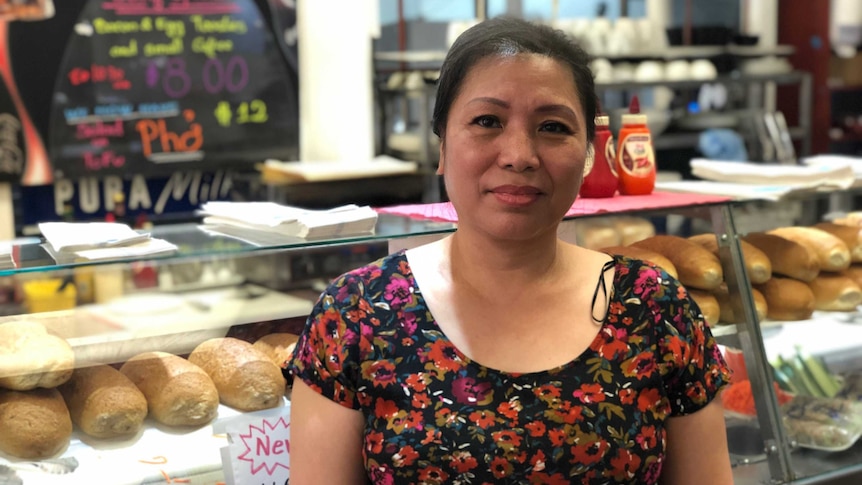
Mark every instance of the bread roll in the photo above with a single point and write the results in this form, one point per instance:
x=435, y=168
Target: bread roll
x=728, y=315
x=103, y=402
x=757, y=263
x=30, y=357
x=245, y=377
x=854, y=272
x=643, y=254
x=851, y=235
x=834, y=292
x=831, y=252
x=788, y=258
x=278, y=347
x=787, y=299
x=178, y=393
x=596, y=233
x=34, y=424
x=707, y=303
x=697, y=267
x=632, y=229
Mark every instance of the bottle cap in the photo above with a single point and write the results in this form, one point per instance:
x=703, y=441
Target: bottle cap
x=635, y=105
x=602, y=120
x=634, y=119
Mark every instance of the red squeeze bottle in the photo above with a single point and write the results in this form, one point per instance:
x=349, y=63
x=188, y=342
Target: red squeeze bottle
x=600, y=178
x=635, y=155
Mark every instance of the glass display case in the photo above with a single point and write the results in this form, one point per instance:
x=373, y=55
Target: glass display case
x=216, y=286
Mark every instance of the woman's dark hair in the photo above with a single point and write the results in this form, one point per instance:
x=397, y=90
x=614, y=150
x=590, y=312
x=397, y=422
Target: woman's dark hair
x=505, y=37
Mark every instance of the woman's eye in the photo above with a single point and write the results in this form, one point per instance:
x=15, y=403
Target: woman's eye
x=555, y=127
x=487, y=121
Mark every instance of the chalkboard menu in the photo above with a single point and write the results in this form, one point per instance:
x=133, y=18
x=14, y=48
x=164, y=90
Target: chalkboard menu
x=155, y=86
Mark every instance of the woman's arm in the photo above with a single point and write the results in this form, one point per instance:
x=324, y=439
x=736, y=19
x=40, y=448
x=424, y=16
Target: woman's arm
x=697, y=447
x=325, y=440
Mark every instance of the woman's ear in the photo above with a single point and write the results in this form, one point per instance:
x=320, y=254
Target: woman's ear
x=442, y=157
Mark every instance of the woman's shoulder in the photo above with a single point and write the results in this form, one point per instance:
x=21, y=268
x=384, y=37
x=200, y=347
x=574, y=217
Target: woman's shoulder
x=631, y=270
x=376, y=273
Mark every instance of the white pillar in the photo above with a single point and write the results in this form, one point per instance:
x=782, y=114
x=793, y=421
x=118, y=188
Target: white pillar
x=336, y=101
x=7, y=214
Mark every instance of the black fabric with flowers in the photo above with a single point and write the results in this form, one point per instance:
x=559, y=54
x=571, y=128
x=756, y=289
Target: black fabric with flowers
x=434, y=416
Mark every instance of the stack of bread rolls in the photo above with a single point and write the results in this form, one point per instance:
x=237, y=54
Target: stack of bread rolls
x=43, y=396
x=34, y=420
x=793, y=270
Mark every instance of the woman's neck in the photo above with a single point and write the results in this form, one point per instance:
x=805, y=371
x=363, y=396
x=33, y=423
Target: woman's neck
x=484, y=265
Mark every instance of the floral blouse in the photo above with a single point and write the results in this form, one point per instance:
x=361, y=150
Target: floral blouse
x=433, y=416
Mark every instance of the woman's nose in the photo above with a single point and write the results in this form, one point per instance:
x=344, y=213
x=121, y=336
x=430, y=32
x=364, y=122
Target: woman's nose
x=518, y=149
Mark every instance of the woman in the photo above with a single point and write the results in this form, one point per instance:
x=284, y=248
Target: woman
x=501, y=354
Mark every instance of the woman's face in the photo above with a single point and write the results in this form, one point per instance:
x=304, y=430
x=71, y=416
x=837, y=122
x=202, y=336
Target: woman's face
x=514, y=148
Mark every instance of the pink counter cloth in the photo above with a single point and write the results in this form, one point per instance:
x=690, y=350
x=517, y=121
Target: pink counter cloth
x=443, y=211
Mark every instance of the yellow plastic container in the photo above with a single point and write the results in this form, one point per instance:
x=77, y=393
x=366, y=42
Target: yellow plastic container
x=45, y=295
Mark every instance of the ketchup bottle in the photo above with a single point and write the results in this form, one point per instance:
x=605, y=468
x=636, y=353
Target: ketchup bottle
x=635, y=155
x=600, y=178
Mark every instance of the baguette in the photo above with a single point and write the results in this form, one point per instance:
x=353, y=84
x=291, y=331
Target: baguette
x=728, y=315
x=851, y=235
x=643, y=254
x=707, y=303
x=787, y=299
x=787, y=257
x=33, y=424
x=831, y=251
x=178, y=393
x=697, y=267
x=834, y=292
x=103, y=402
x=245, y=377
x=278, y=347
x=757, y=263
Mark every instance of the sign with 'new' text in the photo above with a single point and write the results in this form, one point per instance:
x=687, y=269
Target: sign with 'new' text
x=259, y=451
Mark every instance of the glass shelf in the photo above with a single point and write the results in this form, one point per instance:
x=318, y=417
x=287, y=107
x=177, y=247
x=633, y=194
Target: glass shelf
x=194, y=242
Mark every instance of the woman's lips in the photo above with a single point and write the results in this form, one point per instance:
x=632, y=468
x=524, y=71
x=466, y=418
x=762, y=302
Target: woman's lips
x=516, y=195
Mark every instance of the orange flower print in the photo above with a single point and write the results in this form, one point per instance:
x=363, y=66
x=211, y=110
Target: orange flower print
x=541, y=478
x=432, y=475
x=507, y=440
x=566, y=412
x=648, y=399
x=589, y=393
x=557, y=436
x=374, y=442
x=647, y=438
x=405, y=457
x=510, y=409
x=355, y=315
x=547, y=393
x=443, y=356
x=445, y=417
x=420, y=401
x=431, y=436
x=501, y=467
x=640, y=366
x=589, y=452
x=483, y=418
x=617, y=308
x=415, y=420
x=417, y=382
x=536, y=428
x=384, y=408
x=538, y=461
x=627, y=396
x=696, y=393
x=406, y=341
x=380, y=372
x=463, y=461
x=624, y=465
